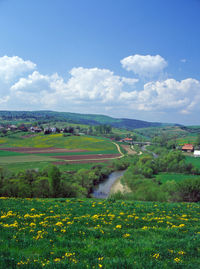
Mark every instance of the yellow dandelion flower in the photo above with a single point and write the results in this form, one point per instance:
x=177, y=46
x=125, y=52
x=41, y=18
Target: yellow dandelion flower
x=126, y=235
x=181, y=252
x=57, y=260
x=177, y=260
x=156, y=255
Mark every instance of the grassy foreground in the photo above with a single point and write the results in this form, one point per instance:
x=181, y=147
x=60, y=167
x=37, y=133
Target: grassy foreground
x=88, y=233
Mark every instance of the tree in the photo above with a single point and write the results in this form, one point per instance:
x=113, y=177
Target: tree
x=54, y=175
x=189, y=190
x=198, y=140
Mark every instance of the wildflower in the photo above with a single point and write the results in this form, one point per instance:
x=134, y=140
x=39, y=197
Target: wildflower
x=118, y=226
x=181, y=252
x=156, y=255
x=57, y=260
x=126, y=235
x=100, y=258
x=59, y=224
x=177, y=260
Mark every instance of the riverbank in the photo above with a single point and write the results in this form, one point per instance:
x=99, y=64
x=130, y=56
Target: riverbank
x=117, y=186
x=104, y=188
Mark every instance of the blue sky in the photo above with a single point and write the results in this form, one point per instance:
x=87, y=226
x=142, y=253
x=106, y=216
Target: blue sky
x=123, y=58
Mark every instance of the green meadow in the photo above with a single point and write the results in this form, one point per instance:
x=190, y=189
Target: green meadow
x=177, y=177
x=194, y=161
x=89, y=233
x=59, y=141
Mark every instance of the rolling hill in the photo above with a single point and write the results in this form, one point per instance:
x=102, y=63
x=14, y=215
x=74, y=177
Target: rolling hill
x=90, y=119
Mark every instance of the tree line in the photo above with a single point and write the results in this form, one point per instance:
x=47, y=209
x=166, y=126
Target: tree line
x=51, y=182
x=140, y=178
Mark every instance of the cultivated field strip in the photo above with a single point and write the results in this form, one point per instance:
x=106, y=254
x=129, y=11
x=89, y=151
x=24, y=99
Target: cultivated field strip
x=30, y=150
x=88, y=157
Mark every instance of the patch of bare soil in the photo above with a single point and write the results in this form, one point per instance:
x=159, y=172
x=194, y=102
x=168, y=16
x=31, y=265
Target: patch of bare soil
x=128, y=149
x=117, y=186
x=27, y=136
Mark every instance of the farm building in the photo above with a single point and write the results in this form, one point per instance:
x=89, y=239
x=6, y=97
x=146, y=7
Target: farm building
x=127, y=140
x=188, y=148
x=197, y=153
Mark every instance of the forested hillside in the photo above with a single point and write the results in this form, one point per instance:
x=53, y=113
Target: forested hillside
x=46, y=116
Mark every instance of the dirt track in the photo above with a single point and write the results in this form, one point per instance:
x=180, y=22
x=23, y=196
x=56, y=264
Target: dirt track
x=128, y=149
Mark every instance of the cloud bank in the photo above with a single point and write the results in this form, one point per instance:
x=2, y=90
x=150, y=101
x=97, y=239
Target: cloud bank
x=95, y=90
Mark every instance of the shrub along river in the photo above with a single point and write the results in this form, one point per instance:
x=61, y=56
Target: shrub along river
x=103, y=189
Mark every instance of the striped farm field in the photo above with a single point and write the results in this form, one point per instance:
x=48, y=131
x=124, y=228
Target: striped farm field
x=91, y=233
x=27, y=151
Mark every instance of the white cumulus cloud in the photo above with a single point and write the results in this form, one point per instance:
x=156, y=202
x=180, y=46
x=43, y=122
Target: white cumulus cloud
x=95, y=90
x=96, y=84
x=183, y=96
x=144, y=65
x=12, y=67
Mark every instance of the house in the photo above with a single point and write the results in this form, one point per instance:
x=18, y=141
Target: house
x=197, y=153
x=35, y=129
x=188, y=148
x=127, y=140
x=53, y=129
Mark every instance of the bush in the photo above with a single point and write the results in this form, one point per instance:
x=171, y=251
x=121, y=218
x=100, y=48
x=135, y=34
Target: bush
x=189, y=190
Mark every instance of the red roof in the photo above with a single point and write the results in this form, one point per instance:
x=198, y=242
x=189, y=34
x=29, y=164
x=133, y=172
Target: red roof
x=128, y=139
x=188, y=147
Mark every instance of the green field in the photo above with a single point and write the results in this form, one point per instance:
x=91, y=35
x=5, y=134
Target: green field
x=193, y=160
x=59, y=141
x=88, y=233
x=164, y=177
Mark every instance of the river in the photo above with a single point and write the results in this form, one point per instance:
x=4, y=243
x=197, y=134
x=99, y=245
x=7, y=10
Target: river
x=103, y=189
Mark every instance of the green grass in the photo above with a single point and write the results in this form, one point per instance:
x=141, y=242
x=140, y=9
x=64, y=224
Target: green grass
x=164, y=177
x=26, y=158
x=16, y=167
x=194, y=161
x=88, y=233
x=9, y=153
x=80, y=153
x=58, y=140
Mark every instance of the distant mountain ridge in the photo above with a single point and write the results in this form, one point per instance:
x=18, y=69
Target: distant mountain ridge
x=77, y=118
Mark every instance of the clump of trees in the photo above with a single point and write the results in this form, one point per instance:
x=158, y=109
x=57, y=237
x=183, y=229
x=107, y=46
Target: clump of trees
x=140, y=178
x=50, y=182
